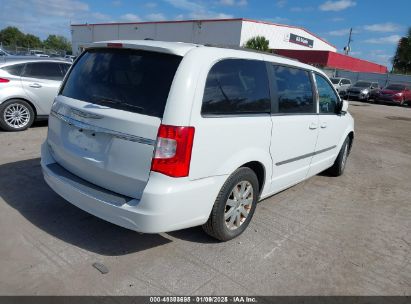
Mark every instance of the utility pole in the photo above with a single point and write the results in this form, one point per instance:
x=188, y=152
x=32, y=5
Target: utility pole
x=347, y=49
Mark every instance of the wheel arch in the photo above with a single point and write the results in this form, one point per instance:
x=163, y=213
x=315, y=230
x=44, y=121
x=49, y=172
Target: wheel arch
x=351, y=137
x=260, y=171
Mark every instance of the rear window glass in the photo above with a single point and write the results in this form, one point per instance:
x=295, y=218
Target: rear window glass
x=395, y=87
x=129, y=80
x=237, y=86
x=14, y=69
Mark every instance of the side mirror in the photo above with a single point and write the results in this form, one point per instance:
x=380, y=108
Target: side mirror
x=344, y=107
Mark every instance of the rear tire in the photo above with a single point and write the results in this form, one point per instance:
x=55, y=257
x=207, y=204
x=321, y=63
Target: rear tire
x=16, y=115
x=234, y=206
x=339, y=165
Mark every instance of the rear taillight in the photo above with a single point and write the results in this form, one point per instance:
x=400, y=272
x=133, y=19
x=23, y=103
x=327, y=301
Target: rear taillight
x=4, y=80
x=172, y=153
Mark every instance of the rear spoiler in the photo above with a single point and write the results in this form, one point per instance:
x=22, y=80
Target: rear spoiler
x=145, y=45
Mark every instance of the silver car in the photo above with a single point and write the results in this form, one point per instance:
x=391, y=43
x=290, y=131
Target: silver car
x=27, y=91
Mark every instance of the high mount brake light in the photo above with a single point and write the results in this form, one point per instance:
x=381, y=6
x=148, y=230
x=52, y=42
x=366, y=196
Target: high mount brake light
x=173, y=149
x=114, y=45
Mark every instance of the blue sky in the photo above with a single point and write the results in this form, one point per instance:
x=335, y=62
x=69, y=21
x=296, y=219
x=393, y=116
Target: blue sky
x=377, y=25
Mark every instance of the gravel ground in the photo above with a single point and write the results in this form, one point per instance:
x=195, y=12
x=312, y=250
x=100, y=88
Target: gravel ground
x=349, y=235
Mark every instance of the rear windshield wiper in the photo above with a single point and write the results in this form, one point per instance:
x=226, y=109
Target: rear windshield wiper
x=116, y=102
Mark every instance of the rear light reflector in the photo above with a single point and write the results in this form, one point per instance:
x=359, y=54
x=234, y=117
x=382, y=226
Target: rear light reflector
x=172, y=153
x=4, y=80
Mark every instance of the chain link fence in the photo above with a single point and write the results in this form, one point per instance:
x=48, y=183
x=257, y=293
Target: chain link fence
x=382, y=79
x=27, y=51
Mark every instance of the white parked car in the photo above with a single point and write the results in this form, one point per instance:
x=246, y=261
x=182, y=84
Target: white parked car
x=160, y=136
x=341, y=84
x=27, y=91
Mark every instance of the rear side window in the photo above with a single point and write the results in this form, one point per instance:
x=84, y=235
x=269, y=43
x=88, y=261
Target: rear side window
x=294, y=90
x=64, y=68
x=129, y=80
x=327, y=97
x=43, y=70
x=14, y=69
x=237, y=86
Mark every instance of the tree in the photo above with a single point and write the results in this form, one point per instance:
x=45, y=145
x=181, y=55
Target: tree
x=259, y=43
x=32, y=41
x=12, y=36
x=57, y=42
x=402, y=59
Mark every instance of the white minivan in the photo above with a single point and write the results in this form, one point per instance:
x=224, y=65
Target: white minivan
x=160, y=136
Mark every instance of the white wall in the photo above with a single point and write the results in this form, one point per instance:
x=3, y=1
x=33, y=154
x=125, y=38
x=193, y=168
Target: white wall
x=222, y=33
x=278, y=36
x=227, y=33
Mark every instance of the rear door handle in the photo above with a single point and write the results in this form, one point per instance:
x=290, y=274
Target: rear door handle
x=323, y=125
x=35, y=85
x=313, y=126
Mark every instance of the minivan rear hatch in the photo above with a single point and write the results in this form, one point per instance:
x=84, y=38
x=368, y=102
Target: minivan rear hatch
x=104, y=123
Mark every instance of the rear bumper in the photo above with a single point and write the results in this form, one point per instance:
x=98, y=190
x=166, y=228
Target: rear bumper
x=167, y=204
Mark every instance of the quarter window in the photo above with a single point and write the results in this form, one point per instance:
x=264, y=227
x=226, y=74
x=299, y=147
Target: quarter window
x=236, y=86
x=14, y=69
x=43, y=70
x=64, y=68
x=294, y=90
x=327, y=98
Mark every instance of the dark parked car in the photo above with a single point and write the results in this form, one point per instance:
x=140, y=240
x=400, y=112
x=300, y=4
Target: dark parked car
x=362, y=90
x=395, y=93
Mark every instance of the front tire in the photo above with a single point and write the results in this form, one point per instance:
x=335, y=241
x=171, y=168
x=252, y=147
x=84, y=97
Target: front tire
x=339, y=165
x=234, y=206
x=16, y=115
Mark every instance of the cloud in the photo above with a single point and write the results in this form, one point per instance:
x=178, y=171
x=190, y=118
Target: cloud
x=393, y=39
x=186, y=5
x=151, y=5
x=341, y=32
x=336, y=5
x=298, y=9
x=382, y=27
x=209, y=15
x=130, y=18
x=197, y=10
x=41, y=17
x=277, y=19
x=337, y=19
x=101, y=17
x=233, y=2
x=156, y=17
x=61, y=8
x=281, y=3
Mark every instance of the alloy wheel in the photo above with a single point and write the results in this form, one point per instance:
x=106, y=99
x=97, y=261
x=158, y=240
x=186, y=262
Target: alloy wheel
x=16, y=115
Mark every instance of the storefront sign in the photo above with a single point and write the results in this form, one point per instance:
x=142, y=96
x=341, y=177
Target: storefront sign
x=301, y=40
